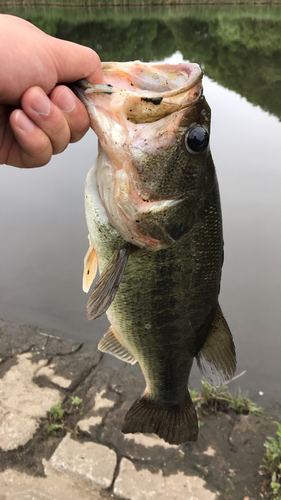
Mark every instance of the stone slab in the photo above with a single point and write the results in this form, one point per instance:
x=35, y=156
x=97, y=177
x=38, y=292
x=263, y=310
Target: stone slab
x=91, y=461
x=20, y=486
x=15, y=340
x=50, y=372
x=30, y=495
x=18, y=391
x=69, y=371
x=19, y=339
x=99, y=399
x=138, y=484
x=2, y=412
x=23, y=402
x=16, y=430
x=86, y=424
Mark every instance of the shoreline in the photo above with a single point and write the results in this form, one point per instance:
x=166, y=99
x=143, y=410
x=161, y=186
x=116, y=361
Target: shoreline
x=42, y=376
x=126, y=3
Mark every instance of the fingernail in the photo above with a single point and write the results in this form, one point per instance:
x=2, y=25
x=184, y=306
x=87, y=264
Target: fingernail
x=41, y=104
x=23, y=121
x=66, y=100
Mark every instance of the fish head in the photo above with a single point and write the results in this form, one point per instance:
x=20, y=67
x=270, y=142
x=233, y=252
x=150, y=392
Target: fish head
x=152, y=170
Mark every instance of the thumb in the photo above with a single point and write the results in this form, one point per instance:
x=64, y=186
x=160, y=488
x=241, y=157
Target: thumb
x=74, y=61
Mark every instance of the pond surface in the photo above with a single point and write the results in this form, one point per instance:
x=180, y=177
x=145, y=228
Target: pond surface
x=42, y=226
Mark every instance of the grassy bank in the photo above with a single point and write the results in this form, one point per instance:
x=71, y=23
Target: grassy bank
x=77, y=12
x=116, y=3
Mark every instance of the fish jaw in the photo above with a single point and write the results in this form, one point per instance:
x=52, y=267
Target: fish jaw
x=142, y=92
x=142, y=113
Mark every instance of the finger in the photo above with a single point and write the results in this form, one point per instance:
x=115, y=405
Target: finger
x=31, y=147
x=42, y=112
x=74, y=111
x=6, y=135
x=75, y=61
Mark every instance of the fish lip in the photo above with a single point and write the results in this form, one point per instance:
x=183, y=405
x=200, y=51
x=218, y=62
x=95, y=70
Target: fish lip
x=196, y=75
x=142, y=92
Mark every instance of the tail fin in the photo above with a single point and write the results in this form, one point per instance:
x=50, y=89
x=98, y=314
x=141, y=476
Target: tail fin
x=176, y=424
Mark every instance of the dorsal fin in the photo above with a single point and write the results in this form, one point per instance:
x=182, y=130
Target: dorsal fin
x=217, y=358
x=107, y=286
x=90, y=267
x=112, y=344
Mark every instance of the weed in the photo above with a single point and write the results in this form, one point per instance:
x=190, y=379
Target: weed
x=60, y=418
x=272, y=463
x=57, y=411
x=194, y=394
x=54, y=427
x=196, y=399
x=75, y=401
x=55, y=418
x=219, y=398
x=242, y=404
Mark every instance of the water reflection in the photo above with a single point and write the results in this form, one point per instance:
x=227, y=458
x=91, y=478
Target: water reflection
x=43, y=229
x=229, y=42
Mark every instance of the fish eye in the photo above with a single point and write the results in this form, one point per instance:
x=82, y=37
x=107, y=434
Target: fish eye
x=196, y=140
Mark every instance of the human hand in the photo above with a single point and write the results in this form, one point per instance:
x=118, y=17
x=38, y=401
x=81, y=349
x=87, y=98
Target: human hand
x=37, y=117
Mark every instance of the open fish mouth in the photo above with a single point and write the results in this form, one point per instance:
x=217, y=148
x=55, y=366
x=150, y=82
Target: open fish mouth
x=148, y=91
x=141, y=116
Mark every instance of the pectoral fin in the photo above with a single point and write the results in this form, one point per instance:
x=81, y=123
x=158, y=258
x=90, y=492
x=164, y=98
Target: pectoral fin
x=90, y=267
x=217, y=358
x=111, y=344
x=107, y=286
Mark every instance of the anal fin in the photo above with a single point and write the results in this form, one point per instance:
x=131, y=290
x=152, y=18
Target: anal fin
x=90, y=267
x=111, y=344
x=108, y=283
x=217, y=359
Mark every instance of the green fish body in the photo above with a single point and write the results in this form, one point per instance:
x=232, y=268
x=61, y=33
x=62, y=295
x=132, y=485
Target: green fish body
x=155, y=229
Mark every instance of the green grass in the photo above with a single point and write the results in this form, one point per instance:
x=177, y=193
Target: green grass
x=76, y=401
x=272, y=464
x=59, y=417
x=53, y=428
x=57, y=411
x=217, y=398
x=55, y=418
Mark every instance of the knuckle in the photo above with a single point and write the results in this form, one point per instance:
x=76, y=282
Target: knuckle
x=78, y=131
x=38, y=154
x=58, y=132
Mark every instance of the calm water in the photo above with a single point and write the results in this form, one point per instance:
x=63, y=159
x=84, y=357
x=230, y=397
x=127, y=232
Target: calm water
x=42, y=225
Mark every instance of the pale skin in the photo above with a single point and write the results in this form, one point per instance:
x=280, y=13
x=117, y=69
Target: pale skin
x=38, y=116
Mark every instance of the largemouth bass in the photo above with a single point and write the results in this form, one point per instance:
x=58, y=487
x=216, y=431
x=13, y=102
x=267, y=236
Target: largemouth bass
x=155, y=230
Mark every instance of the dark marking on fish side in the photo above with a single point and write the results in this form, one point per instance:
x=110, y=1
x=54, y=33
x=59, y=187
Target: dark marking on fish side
x=154, y=100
